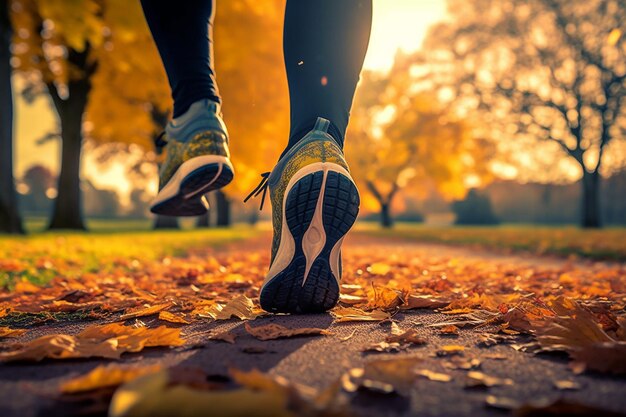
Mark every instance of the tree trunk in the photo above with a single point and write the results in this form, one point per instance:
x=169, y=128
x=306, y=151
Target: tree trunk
x=591, y=200
x=67, y=212
x=385, y=215
x=223, y=209
x=10, y=221
x=166, y=222
x=253, y=219
x=204, y=221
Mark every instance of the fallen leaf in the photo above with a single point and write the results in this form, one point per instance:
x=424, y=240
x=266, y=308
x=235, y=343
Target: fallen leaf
x=348, y=337
x=475, y=379
x=379, y=268
x=241, y=307
x=173, y=318
x=225, y=336
x=385, y=347
x=502, y=403
x=61, y=346
x=156, y=395
x=383, y=375
x=8, y=332
x=608, y=357
x=491, y=339
x=26, y=287
x=351, y=299
x=424, y=301
x=145, y=311
x=434, y=376
x=133, y=339
x=344, y=314
x=410, y=336
x=384, y=298
x=567, y=385
x=575, y=331
x=105, y=376
x=275, y=331
x=450, y=330
x=449, y=350
x=459, y=362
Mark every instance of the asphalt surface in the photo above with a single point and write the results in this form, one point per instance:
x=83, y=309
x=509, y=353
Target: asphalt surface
x=32, y=389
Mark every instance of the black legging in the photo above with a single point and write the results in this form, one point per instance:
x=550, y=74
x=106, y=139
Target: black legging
x=324, y=45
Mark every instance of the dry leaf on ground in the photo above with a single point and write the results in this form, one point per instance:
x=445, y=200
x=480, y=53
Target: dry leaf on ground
x=410, y=336
x=60, y=346
x=450, y=330
x=105, y=376
x=275, y=331
x=477, y=379
x=424, y=301
x=575, y=331
x=385, y=347
x=241, y=307
x=145, y=311
x=434, y=376
x=8, y=332
x=173, y=318
x=344, y=314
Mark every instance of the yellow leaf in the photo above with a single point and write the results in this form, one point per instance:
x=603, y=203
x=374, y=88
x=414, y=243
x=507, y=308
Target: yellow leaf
x=155, y=395
x=613, y=37
x=145, y=311
x=379, y=268
x=241, y=307
x=61, y=347
x=24, y=286
x=173, y=318
x=343, y=314
x=8, y=332
x=434, y=376
x=105, y=376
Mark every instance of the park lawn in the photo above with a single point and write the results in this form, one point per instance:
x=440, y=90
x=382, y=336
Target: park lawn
x=603, y=244
x=39, y=257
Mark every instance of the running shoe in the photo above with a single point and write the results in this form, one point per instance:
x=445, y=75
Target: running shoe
x=197, y=161
x=315, y=202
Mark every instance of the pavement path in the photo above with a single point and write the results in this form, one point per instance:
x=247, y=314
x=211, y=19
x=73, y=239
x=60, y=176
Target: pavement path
x=32, y=389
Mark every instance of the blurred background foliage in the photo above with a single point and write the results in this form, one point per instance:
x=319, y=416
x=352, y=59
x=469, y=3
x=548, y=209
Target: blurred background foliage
x=505, y=112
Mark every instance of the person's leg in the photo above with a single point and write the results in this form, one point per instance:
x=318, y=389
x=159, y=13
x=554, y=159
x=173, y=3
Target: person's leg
x=314, y=199
x=183, y=32
x=324, y=46
x=196, y=141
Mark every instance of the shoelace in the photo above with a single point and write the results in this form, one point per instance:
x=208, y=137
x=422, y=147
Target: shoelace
x=261, y=188
x=160, y=142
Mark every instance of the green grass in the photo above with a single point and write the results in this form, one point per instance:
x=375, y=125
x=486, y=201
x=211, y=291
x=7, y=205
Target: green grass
x=609, y=243
x=39, y=257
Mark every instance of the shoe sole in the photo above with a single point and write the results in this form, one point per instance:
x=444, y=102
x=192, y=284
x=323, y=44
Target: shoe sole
x=184, y=193
x=320, y=207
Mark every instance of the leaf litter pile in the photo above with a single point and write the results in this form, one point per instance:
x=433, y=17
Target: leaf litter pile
x=134, y=305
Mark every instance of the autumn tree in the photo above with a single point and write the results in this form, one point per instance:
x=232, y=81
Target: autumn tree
x=10, y=221
x=402, y=140
x=543, y=71
x=56, y=52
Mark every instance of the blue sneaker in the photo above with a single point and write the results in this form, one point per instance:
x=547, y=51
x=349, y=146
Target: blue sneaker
x=197, y=161
x=315, y=202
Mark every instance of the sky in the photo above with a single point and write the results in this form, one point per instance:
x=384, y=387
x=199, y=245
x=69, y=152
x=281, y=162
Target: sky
x=397, y=24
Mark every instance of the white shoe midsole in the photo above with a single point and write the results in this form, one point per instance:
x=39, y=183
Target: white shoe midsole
x=314, y=239
x=172, y=187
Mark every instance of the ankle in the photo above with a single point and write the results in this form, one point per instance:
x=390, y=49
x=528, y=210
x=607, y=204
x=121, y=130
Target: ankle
x=299, y=134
